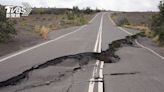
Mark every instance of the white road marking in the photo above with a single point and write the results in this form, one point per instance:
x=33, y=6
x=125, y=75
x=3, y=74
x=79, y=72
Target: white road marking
x=94, y=18
x=137, y=41
x=101, y=69
x=96, y=44
x=100, y=83
x=149, y=50
x=125, y=31
x=92, y=83
x=97, y=48
x=112, y=21
x=100, y=34
x=152, y=51
x=100, y=87
x=36, y=46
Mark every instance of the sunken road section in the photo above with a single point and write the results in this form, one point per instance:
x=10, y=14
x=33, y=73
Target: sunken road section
x=82, y=59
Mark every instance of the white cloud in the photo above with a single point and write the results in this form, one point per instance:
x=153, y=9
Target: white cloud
x=122, y=5
x=133, y=5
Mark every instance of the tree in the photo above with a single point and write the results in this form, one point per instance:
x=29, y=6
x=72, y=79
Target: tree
x=88, y=10
x=158, y=23
x=6, y=28
x=76, y=9
x=98, y=10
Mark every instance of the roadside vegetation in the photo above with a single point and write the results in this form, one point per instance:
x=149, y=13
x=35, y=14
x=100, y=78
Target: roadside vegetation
x=44, y=20
x=7, y=30
x=19, y=33
x=157, y=26
x=42, y=31
x=152, y=23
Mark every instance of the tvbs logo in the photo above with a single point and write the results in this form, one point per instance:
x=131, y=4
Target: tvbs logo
x=17, y=11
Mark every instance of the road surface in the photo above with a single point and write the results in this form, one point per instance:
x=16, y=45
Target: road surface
x=139, y=69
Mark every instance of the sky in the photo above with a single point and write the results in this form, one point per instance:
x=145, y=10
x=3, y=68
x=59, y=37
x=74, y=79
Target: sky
x=117, y=5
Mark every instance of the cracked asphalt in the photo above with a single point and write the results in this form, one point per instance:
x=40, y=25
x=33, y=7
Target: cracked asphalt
x=138, y=70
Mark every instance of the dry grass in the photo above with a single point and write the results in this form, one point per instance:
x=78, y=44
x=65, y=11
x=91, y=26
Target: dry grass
x=147, y=32
x=42, y=30
x=143, y=28
x=51, y=22
x=156, y=39
x=139, y=21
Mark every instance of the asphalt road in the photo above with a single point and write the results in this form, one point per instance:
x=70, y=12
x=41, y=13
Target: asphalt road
x=139, y=70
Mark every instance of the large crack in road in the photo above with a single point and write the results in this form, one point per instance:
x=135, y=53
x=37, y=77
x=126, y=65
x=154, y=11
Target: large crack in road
x=65, y=66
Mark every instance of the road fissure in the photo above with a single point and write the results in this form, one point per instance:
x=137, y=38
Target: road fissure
x=136, y=41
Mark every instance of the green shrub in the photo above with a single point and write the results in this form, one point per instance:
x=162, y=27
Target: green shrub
x=6, y=28
x=69, y=15
x=158, y=23
x=88, y=10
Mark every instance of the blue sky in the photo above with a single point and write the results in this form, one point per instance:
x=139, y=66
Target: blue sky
x=119, y=5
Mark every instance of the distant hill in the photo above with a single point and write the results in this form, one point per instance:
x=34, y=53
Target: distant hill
x=137, y=18
x=49, y=10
